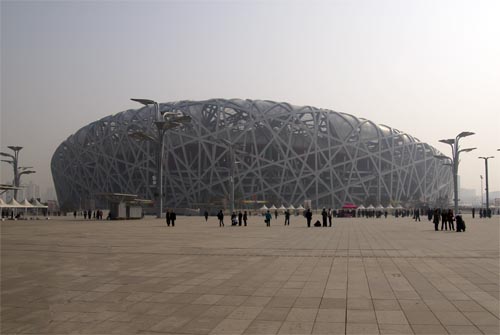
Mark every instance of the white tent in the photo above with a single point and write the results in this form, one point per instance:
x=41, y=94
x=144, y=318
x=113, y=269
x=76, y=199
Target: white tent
x=263, y=208
x=380, y=207
x=273, y=207
x=37, y=204
x=370, y=207
x=282, y=208
x=26, y=204
x=390, y=207
x=300, y=209
x=399, y=207
x=291, y=208
x=14, y=204
x=2, y=203
x=361, y=207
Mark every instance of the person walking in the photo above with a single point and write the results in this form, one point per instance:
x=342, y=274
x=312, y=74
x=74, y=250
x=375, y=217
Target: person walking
x=324, y=216
x=287, y=217
x=167, y=218
x=220, y=216
x=245, y=218
x=417, y=215
x=173, y=217
x=309, y=217
x=444, y=219
x=240, y=218
x=276, y=214
x=74, y=214
x=451, y=218
x=330, y=215
x=268, y=219
x=206, y=216
x=435, y=219
x=473, y=212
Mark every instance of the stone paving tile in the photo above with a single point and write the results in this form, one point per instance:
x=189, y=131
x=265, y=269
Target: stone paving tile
x=366, y=276
x=296, y=327
x=328, y=328
x=259, y=327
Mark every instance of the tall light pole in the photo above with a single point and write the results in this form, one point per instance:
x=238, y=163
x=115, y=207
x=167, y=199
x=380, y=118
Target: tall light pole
x=455, y=161
x=18, y=171
x=164, y=121
x=486, y=188
x=481, y=190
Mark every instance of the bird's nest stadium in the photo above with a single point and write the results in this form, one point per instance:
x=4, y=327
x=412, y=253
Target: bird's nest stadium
x=275, y=153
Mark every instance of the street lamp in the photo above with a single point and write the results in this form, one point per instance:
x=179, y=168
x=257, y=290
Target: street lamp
x=455, y=161
x=486, y=189
x=164, y=121
x=18, y=171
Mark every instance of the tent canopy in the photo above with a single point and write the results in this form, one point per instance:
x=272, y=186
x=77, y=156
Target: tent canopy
x=348, y=205
x=361, y=207
x=14, y=204
x=370, y=207
x=26, y=204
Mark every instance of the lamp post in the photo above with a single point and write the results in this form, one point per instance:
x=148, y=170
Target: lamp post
x=164, y=121
x=481, y=190
x=486, y=188
x=18, y=171
x=455, y=161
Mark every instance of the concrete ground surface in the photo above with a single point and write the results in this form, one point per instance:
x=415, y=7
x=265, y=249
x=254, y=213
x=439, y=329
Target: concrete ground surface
x=363, y=276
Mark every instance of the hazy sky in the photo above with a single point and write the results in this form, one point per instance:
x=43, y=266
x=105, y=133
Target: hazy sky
x=429, y=68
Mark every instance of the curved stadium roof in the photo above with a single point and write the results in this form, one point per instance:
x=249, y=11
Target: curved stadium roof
x=285, y=154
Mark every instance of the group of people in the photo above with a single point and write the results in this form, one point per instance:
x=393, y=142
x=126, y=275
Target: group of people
x=241, y=218
x=326, y=216
x=170, y=217
x=483, y=213
x=89, y=214
x=447, y=220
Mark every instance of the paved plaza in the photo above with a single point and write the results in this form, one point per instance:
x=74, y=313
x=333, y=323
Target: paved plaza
x=364, y=276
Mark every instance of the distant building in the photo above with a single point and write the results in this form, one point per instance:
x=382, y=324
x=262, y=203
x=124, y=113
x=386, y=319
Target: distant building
x=283, y=154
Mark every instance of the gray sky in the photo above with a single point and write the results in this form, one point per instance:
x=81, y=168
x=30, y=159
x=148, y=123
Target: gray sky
x=429, y=68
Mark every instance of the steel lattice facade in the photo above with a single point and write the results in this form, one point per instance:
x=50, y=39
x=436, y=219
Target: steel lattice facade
x=284, y=154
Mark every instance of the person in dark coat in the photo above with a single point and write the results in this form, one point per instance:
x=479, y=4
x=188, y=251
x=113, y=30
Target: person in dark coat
x=245, y=218
x=460, y=222
x=324, y=215
x=240, y=218
x=173, y=217
x=167, y=218
x=268, y=219
x=220, y=216
x=330, y=214
x=451, y=218
x=435, y=219
x=309, y=217
x=444, y=219
x=206, y=216
x=287, y=217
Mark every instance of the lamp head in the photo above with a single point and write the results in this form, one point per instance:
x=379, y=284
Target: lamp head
x=14, y=148
x=6, y=155
x=465, y=133
x=145, y=102
x=448, y=141
x=467, y=150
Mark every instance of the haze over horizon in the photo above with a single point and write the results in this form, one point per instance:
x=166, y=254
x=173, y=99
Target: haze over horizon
x=428, y=68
